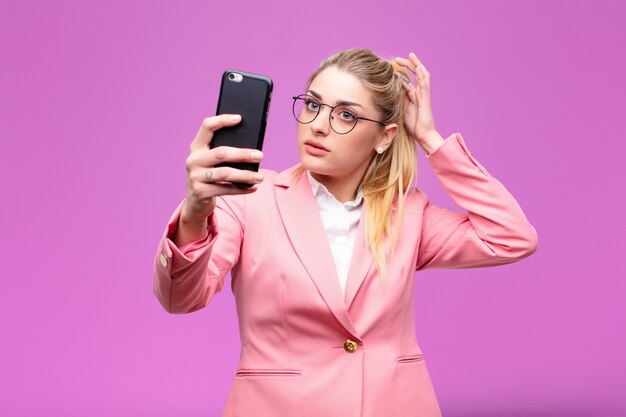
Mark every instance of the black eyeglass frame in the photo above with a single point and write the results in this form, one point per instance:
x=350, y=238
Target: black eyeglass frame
x=330, y=114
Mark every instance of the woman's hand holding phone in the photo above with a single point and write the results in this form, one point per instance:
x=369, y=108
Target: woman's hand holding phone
x=205, y=181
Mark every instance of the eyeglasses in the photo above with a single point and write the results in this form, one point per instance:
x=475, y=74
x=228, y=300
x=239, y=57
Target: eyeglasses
x=342, y=118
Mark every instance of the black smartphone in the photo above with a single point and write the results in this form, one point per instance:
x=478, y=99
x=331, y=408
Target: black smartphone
x=249, y=95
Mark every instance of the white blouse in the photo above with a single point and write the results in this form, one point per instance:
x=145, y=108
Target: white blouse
x=341, y=221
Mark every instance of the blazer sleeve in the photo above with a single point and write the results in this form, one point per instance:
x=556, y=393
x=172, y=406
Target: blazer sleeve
x=494, y=231
x=186, y=278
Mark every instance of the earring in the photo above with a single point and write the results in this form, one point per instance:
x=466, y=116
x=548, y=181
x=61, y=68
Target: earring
x=380, y=149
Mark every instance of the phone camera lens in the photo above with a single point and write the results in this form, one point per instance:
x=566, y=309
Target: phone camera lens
x=231, y=76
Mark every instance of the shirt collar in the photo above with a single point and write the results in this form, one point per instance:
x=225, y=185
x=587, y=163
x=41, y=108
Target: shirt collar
x=320, y=189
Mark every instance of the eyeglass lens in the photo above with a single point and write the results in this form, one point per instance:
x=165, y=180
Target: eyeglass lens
x=306, y=108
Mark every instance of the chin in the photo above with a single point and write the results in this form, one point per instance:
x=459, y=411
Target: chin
x=316, y=165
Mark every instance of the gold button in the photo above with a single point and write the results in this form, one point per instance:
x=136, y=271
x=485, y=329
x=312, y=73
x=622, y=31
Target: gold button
x=350, y=346
x=163, y=260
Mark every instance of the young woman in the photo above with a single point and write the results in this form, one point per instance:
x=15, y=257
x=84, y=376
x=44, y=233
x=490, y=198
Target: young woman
x=323, y=255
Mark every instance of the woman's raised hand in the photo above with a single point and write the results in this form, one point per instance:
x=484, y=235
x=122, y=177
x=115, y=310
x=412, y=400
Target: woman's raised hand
x=204, y=181
x=418, y=113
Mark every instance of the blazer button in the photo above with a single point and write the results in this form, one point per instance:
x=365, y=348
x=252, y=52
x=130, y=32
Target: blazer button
x=350, y=346
x=163, y=260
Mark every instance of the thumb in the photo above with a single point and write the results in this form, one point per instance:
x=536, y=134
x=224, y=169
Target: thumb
x=209, y=126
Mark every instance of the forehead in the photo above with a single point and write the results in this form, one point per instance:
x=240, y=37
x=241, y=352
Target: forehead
x=335, y=85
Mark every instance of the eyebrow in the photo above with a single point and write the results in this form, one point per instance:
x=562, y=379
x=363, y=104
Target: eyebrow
x=339, y=103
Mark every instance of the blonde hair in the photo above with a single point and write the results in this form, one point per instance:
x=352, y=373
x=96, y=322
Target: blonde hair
x=389, y=177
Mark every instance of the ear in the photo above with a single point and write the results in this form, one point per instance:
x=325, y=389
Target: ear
x=387, y=136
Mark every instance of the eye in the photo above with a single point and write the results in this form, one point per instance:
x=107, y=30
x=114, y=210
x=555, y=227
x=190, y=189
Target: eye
x=311, y=104
x=347, y=116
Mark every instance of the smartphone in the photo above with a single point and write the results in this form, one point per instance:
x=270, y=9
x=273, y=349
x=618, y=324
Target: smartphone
x=249, y=95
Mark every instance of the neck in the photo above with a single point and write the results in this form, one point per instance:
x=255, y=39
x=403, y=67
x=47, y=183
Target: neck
x=343, y=188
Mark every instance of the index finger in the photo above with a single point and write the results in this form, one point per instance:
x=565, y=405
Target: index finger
x=209, y=126
x=417, y=62
x=407, y=64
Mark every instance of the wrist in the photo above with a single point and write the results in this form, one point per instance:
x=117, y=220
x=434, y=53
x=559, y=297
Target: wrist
x=431, y=142
x=194, y=219
x=196, y=223
x=190, y=229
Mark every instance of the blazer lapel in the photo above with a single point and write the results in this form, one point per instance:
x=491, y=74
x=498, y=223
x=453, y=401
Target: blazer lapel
x=360, y=263
x=304, y=227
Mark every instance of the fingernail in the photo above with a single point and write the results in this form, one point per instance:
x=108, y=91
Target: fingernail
x=258, y=177
x=234, y=118
x=256, y=155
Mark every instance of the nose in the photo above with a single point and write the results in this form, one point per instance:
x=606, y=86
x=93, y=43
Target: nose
x=321, y=124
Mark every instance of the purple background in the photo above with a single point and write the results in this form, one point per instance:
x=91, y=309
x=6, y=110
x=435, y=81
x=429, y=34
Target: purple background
x=101, y=101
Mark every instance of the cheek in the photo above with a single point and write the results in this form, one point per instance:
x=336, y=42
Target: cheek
x=360, y=146
x=301, y=136
x=354, y=154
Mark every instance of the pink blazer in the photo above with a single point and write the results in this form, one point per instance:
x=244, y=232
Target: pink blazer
x=306, y=349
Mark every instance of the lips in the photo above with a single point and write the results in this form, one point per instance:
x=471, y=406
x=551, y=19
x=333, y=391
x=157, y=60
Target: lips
x=315, y=149
x=317, y=145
